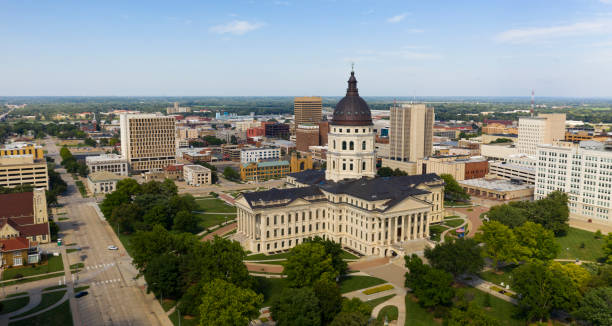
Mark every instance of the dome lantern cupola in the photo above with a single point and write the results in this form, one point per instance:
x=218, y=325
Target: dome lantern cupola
x=352, y=110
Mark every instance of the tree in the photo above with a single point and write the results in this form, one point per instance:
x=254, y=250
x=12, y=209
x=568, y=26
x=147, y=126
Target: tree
x=90, y=142
x=596, y=307
x=158, y=214
x=508, y=215
x=543, y=287
x=163, y=276
x=456, y=257
x=333, y=249
x=330, y=299
x=296, y=307
x=552, y=212
x=500, y=242
x=474, y=315
x=607, y=248
x=350, y=319
x=539, y=242
x=230, y=174
x=125, y=216
x=234, y=140
x=452, y=189
x=223, y=303
x=307, y=263
x=430, y=285
x=185, y=221
x=384, y=172
x=355, y=305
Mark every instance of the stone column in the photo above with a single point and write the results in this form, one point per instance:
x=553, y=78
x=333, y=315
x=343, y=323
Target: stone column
x=426, y=225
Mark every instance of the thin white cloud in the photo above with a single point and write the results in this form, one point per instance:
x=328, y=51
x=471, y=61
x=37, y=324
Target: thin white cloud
x=397, y=18
x=526, y=35
x=236, y=27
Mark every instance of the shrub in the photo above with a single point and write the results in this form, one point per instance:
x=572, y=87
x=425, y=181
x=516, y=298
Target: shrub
x=378, y=289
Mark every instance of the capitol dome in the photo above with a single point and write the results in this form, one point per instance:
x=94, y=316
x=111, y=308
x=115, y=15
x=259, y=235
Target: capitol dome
x=352, y=110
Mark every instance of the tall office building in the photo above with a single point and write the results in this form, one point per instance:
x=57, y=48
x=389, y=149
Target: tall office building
x=411, y=132
x=582, y=171
x=543, y=129
x=307, y=110
x=148, y=141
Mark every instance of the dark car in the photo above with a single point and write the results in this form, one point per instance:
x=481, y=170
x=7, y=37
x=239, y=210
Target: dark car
x=81, y=294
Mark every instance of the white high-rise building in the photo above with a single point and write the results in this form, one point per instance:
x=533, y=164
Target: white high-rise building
x=148, y=141
x=543, y=129
x=248, y=155
x=351, y=138
x=584, y=172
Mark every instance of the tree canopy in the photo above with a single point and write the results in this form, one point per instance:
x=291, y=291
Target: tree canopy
x=430, y=285
x=223, y=303
x=307, y=263
x=296, y=307
x=452, y=190
x=457, y=256
x=501, y=245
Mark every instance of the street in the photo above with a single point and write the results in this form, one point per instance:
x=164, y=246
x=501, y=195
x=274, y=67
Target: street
x=115, y=297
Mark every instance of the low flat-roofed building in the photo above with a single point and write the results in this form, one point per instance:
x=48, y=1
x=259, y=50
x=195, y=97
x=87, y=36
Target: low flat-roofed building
x=459, y=166
x=197, y=175
x=107, y=162
x=103, y=182
x=261, y=171
x=16, y=170
x=23, y=148
x=248, y=155
x=497, y=189
x=498, y=152
x=513, y=171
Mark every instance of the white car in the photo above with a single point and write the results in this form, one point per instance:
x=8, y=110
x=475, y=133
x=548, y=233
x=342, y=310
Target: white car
x=113, y=248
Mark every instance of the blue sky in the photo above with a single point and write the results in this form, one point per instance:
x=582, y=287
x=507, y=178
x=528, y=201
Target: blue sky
x=400, y=48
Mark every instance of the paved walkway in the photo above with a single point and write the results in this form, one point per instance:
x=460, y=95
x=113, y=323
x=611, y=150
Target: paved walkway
x=220, y=231
x=485, y=286
x=465, y=223
x=472, y=214
x=592, y=227
x=394, y=274
x=59, y=302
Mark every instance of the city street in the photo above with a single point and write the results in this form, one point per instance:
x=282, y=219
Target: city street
x=115, y=297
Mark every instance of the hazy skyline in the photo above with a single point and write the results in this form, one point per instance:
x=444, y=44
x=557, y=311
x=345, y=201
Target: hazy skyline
x=259, y=48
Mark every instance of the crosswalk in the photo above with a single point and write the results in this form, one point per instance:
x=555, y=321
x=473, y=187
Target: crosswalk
x=99, y=266
x=106, y=282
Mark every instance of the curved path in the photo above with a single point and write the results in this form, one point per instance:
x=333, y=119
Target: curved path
x=59, y=302
x=465, y=222
x=220, y=231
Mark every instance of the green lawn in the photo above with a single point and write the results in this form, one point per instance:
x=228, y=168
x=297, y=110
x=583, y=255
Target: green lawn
x=284, y=255
x=48, y=299
x=376, y=302
x=81, y=187
x=450, y=217
x=53, y=264
x=13, y=304
x=347, y=255
x=77, y=265
x=16, y=294
x=416, y=315
x=214, y=206
x=495, y=277
x=125, y=241
x=571, y=243
x=435, y=231
x=58, y=316
x=32, y=279
x=167, y=304
x=208, y=220
x=81, y=288
x=501, y=310
x=453, y=223
x=353, y=283
x=270, y=288
x=184, y=322
x=390, y=312
x=55, y=287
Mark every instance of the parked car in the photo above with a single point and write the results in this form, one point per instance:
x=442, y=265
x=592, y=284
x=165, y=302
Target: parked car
x=81, y=294
x=113, y=248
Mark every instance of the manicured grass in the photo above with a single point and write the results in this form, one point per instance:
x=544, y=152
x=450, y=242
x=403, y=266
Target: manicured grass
x=284, y=255
x=501, y=310
x=270, y=288
x=496, y=277
x=214, y=206
x=125, y=241
x=81, y=288
x=435, y=231
x=376, y=302
x=454, y=223
x=347, y=255
x=32, y=279
x=184, y=322
x=208, y=220
x=416, y=315
x=570, y=245
x=81, y=187
x=71, y=250
x=77, y=265
x=167, y=304
x=54, y=287
x=16, y=294
x=62, y=219
x=58, y=316
x=48, y=299
x=13, y=304
x=53, y=264
x=390, y=312
x=354, y=283
x=450, y=216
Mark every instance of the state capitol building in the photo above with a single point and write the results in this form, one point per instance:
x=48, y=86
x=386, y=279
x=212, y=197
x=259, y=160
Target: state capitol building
x=346, y=203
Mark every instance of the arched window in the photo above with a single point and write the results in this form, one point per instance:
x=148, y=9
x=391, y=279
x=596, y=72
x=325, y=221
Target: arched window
x=363, y=145
x=343, y=145
x=351, y=145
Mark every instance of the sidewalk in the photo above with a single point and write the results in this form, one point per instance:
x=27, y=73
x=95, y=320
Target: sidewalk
x=485, y=286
